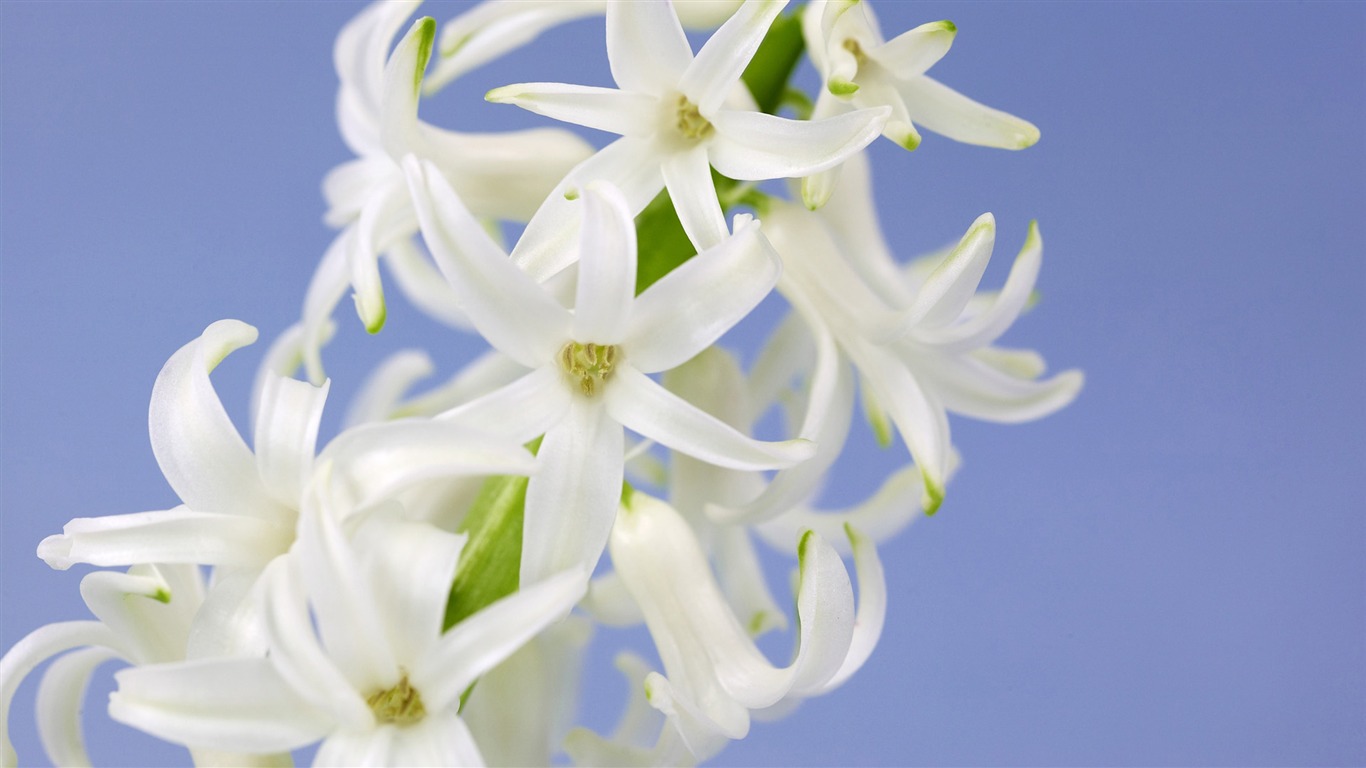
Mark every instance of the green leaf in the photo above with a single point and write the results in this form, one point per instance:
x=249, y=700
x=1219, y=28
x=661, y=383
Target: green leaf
x=772, y=65
x=491, y=562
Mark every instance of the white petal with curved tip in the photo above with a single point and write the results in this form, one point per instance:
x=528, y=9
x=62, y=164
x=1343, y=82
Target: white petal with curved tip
x=401, y=87
x=692, y=306
x=482, y=641
x=742, y=580
x=490, y=30
x=179, y=535
x=286, y=432
x=571, y=501
x=504, y=175
x=228, y=704
x=325, y=289
x=61, y=697
x=851, y=217
x=912, y=52
x=36, y=647
x=521, y=410
x=948, y=112
x=753, y=146
x=149, y=608
x=948, y=289
x=985, y=327
x=646, y=47
x=717, y=66
x=872, y=609
x=489, y=285
x=607, y=267
x=687, y=175
x=348, y=186
x=645, y=407
x=204, y=459
x=894, y=505
x=606, y=109
x=974, y=388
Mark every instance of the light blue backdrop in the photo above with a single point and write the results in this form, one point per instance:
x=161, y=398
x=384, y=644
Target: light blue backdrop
x=1170, y=571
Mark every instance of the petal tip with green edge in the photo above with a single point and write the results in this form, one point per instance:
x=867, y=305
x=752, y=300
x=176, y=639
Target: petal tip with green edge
x=903, y=134
x=934, y=495
x=162, y=595
x=842, y=87
x=373, y=319
x=946, y=26
x=426, y=34
x=1027, y=136
x=501, y=95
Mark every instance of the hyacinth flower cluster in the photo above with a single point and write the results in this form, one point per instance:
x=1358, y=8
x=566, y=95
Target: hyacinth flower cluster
x=419, y=589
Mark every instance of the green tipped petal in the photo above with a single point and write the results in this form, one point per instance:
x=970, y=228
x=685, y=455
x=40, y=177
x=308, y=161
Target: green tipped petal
x=426, y=34
x=934, y=495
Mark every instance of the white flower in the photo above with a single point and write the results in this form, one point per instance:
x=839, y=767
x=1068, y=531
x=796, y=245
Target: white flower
x=499, y=175
x=379, y=681
x=670, y=112
x=922, y=348
x=590, y=365
x=860, y=69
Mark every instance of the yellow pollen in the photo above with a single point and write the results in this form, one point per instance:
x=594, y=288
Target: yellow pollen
x=400, y=705
x=588, y=364
x=691, y=123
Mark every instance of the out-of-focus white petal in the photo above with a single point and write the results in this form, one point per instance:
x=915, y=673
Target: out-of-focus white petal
x=717, y=66
x=238, y=705
x=645, y=407
x=61, y=697
x=894, y=505
x=178, y=535
x=36, y=647
x=424, y=286
x=492, y=29
x=572, y=499
x=607, y=109
x=348, y=186
x=325, y=289
x=286, y=432
x=482, y=641
x=608, y=602
x=752, y=146
x=402, y=87
x=851, y=218
x=692, y=306
x=521, y=410
x=646, y=47
x=974, y=388
x=481, y=376
x=607, y=267
x=687, y=175
x=381, y=393
x=742, y=581
x=950, y=113
x=204, y=459
x=481, y=274
x=912, y=52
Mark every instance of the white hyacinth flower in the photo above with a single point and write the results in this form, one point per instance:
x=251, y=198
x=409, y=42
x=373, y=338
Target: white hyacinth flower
x=589, y=366
x=502, y=175
x=377, y=680
x=670, y=110
x=861, y=69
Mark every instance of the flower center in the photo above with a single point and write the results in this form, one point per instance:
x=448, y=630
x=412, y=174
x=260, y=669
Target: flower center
x=400, y=705
x=588, y=364
x=851, y=45
x=690, y=122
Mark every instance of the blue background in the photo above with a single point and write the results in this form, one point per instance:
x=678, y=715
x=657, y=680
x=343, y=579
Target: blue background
x=1170, y=571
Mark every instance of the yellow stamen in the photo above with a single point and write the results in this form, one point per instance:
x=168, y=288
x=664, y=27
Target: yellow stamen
x=588, y=364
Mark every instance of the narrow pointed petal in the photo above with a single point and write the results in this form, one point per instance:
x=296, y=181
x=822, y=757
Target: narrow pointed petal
x=521, y=410
x=753, y=146
x=742, y=580
x=726, y=53
x=883, y=515
x=607, y=267
x=691, y=307
x=985, y=327
x=178, y=535
x=852, y=218
x=687, y=175
x=646, y=47
x=606, y=109
x=572, y=500
x=374, y=462
x=61, y=697
x=239, y=705
x=286, y=431
x=872, y=609
x=645, y=407
x=347, y=187
x=504, y=175
x=916, y=50
x=700, y=730
x=149, y=608
x=949, y=113
x=195, y=443
x=948, y=289
x=788, y=352
x=325, y=290
x=974, y=388
x=36, y=647
x=481, y=376
x=482, y=641
x=402, y=87
x=490, y=30
x=481, y=274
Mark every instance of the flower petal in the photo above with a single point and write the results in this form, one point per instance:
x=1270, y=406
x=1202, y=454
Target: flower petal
x=36, y=647
x=948, y=112
x=948, y=289
x=717, y=66
x=488, y=284
x=607, y=109
x=572, y=500
x=872, y=610
x=644, y=406
x=975, y=388
x=384, y=389
x=402, y=86
x=482, y=641
x=753, y=146
x=504, y=175
x=179, y=535
x=646, y=47
x=894, y=505
x=61, y=697
x=521, y=410
x=691, y=307
x=986, y=326
x=687, y=175
x=325, y=289
x=607, y=267
x=204, y=459
x=742, y=580
x=287, y=420
x=912, y=52
x=481, y=376
x=490, y=30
